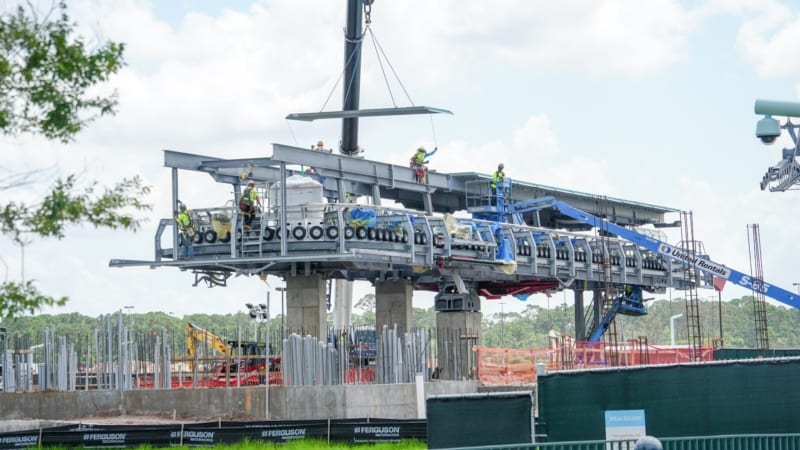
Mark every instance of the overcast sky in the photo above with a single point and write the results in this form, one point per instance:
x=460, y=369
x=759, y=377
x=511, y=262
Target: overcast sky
x=650, y=101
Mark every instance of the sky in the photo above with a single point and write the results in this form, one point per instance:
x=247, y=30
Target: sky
x=644, y=101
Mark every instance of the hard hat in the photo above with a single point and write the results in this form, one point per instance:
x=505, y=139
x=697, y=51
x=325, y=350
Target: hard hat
x=251, y=183
x=320, y=143
x=500, y=166
x=421, y=149
x=182, y=207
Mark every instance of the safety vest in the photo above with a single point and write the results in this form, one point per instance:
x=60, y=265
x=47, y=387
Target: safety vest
x=419, y=157
x=497, y=177
x=184, y=219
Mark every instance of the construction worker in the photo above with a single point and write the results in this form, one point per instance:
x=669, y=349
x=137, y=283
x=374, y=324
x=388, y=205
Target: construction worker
x=418, y=162
x=320, y=147
x=183, y=220
x=419, y=157
x=497, y=179
x=248, y=202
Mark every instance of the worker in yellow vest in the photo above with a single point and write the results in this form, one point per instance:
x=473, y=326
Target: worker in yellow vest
x=183, y=220
x=498, y=177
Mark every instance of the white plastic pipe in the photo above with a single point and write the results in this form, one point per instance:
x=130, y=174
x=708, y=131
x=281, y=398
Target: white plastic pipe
x=672, y=328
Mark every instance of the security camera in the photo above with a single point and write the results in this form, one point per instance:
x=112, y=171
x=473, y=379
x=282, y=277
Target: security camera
x=768, y=130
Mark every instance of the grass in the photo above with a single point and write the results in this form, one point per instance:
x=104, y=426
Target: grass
x=310, y=444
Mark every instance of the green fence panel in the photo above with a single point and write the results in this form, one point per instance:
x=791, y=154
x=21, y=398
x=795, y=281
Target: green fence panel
x=727, y=442
x=723, y=398
x=721, y=354
x=480, y=419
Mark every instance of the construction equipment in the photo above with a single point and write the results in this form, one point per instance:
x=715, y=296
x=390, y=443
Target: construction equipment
x=699, y=262
x=363, y=346
x=249, y=367
x=195, y=335
x=630, y=304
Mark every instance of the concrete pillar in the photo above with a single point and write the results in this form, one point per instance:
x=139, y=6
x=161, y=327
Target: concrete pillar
x=305, y=304
x=393, y=305
x=580, y=319
x=342, y=304
x=456, y=333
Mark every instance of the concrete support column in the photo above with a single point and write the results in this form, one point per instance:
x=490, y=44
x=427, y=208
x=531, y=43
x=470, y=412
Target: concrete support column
x=305, y=304
x=456, y=333
x=580, y=319
x=393, y=305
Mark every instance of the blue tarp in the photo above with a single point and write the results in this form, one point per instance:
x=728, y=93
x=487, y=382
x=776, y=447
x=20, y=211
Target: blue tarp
x=358, y=217
x=504, y=250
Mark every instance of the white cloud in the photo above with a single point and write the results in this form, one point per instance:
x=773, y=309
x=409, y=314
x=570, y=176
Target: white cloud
x=221, y=84
x=620, y=38
x=767, y=39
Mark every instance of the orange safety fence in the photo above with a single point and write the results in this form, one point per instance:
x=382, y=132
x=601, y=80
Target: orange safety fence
x=499, y=366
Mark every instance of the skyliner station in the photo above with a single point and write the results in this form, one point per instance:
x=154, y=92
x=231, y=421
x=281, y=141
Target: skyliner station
x=331, y=217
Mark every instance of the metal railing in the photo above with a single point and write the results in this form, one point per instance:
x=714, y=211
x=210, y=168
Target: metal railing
x=722, y=442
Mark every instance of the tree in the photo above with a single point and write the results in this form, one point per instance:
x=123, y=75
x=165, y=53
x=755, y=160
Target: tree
x=45, y=76
x=45, y=73
x=366, y=303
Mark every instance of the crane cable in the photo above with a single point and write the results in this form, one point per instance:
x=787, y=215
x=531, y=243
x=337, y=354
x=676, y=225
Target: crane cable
x=380, y=56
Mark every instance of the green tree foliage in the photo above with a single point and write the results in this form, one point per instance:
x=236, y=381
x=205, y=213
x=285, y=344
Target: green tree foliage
x=46, y=72
x=19, y=298
x=67, y=204
x=527, y=329
x=366, y=303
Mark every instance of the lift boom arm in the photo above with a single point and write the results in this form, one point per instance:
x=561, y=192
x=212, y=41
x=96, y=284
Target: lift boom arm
x=670, y=251
x=195, y=334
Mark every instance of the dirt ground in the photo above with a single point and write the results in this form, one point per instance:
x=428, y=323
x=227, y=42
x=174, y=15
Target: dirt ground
x=115, y=419
x=145, y=418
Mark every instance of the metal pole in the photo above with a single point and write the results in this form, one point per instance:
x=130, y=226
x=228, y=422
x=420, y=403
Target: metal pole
x=672, y=328
x=720, y=319
x=22, y=261
x=283, y=314
x=502, y=326
x=352, y=77
x=267, y=361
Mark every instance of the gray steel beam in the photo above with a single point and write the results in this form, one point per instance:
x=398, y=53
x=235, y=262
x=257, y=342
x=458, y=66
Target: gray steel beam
x=375, y=112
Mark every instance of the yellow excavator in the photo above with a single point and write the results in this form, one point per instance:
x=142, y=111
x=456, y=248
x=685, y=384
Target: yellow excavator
x=253, y=362
x=195, y=334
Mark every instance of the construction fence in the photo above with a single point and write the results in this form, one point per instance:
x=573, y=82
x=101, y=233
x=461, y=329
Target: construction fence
x=503, y=366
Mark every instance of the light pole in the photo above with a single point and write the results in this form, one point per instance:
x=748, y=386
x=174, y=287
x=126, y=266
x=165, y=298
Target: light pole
x=130, y=321
x=2, y=346
x=672, y=328
x=6, y=266
x=258, y=313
